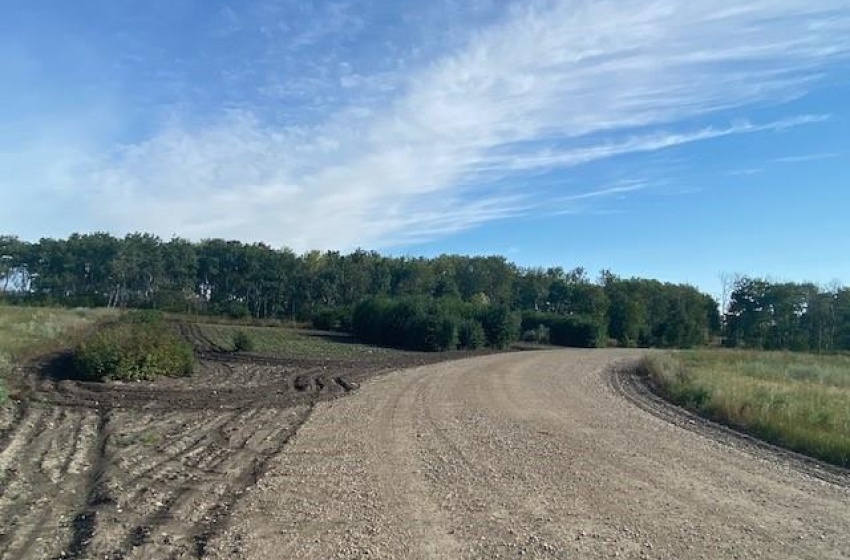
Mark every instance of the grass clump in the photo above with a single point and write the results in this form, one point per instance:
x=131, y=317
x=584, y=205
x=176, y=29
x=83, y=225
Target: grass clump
x=797, y=401
x=133, y=351
x=242, y=341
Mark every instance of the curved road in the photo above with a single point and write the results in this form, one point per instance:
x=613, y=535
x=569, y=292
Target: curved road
x=528, y=455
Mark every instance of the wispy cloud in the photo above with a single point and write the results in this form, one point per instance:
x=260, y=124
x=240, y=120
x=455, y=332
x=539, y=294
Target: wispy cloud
x=748, y=172
x=550, y=85
x=617, y=190
x=592, y=201
x=805, y=158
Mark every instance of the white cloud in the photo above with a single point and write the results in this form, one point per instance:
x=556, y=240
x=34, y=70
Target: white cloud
x=552, y=85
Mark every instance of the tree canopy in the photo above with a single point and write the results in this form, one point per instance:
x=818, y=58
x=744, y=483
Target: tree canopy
x=448, y=297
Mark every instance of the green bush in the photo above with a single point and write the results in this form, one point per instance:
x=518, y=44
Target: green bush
x=471, y=335
x=332, y=319
x=234, y=309
x=437, y=333
x=501, y=327
x=417, y=324
x=577, y=332
x=539, y=335
x=133, y=351
x=3, y=395
x=242, y=342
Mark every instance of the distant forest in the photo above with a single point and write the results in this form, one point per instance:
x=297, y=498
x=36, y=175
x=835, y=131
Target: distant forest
x=440, y=303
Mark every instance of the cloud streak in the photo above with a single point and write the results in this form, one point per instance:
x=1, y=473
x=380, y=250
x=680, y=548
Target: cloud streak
x=457, y=141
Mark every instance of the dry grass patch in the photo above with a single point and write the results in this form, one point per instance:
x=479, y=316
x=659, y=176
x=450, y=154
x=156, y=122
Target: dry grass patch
x=798, y=401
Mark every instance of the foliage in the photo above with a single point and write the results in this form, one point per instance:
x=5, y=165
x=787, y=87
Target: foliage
x=649, y=313
x=540, y=334
x=133, y=351
x=470, y=335
x=577, y=332
x=501, y=327
x=242, y=341
x=787, y=316
x=253, y=280
x=798, y=401
x=419, y=324
x=332, y=319
x=431, y=333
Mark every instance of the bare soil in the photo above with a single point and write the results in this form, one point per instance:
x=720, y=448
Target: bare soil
x=153, y=470
x=561, y=454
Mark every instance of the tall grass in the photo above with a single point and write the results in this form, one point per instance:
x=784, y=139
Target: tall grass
x=28, y=331
x=798, y=401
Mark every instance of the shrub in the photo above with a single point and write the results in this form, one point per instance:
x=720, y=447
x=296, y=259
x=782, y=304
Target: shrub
x=3, y=395
x=415, y=324
x=440, y=333
x=471, y=335
x=133, y=351
x=539, y=335
x=242, y=342
x=332, y=319
x=501, y=327
x=577, y=332
x=234, y=309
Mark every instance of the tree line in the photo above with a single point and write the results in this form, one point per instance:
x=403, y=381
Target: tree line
x=424, y=303
x=787, y=316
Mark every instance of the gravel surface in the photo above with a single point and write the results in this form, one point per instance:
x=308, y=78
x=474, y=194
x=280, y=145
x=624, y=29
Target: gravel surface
x=527, y=455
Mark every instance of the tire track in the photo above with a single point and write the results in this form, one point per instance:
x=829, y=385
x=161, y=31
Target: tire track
x=151, y=470
x=628, y=383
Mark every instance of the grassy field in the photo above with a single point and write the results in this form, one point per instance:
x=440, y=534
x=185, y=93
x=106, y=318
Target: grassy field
x=291, y=342
x=798, y=401
x=28, y=331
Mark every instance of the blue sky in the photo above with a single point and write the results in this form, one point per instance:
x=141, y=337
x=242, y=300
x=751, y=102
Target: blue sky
x=664, y=138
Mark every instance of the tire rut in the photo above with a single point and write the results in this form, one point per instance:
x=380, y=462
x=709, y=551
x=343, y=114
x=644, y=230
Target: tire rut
x=130, y=471
x=628, y=383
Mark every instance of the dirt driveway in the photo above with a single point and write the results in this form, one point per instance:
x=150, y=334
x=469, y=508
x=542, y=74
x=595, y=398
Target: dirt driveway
x=531, y=455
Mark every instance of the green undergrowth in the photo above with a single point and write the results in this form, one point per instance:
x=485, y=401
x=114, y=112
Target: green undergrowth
x=139, y=347
x=797, y=401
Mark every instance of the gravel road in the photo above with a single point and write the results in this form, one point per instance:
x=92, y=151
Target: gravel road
x=527, y=455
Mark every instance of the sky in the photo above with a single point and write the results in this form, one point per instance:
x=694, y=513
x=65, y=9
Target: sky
x=669, y=139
